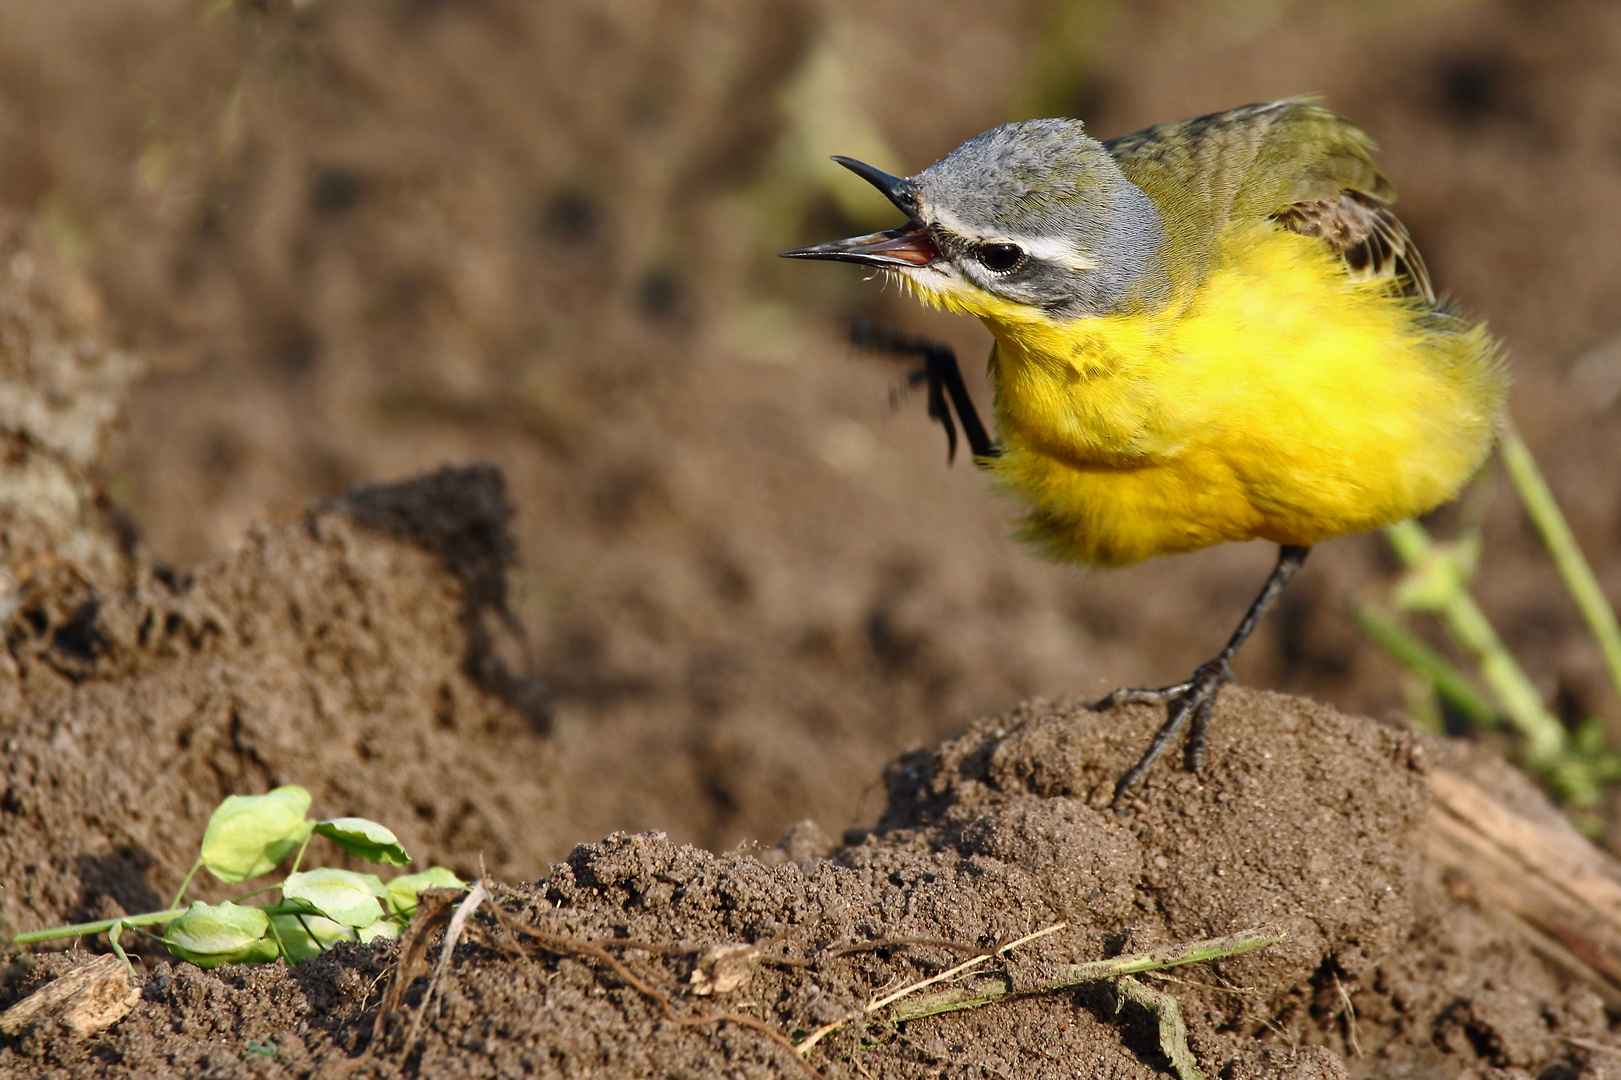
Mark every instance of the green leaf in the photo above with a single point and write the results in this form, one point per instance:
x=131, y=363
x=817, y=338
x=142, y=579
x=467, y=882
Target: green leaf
x=367, y=839
x=341, y=895
x=307, y=935
x=304, y=936
x=208, y=935
x=384, y=929
x=250, y=835
x=402, y=891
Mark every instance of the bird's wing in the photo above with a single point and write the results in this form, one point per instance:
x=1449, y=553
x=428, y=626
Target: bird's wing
x=1371, y=240
x=1293, y=162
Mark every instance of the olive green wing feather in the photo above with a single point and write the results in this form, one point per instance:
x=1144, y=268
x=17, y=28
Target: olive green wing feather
x=1293, y=162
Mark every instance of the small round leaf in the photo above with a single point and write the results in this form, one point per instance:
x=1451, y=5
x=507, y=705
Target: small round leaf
x=341, y=895
x=364, y=838
x=402, y=891
x=208, y=935
x=249, y=835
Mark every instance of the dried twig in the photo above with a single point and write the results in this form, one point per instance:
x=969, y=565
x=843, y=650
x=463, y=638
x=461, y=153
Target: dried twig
x=999, y=987
x=433, y=911
x=565, y=946
x=458, y=923
x=1348, y=1007
x=816, y=1036
x=994, y=988
x=1560, y=892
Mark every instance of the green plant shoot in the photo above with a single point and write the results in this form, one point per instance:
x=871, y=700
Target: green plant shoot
x=249, y=836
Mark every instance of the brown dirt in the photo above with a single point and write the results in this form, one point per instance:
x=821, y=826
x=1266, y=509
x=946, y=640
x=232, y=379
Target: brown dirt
x=712, y=583
x=1304, y=822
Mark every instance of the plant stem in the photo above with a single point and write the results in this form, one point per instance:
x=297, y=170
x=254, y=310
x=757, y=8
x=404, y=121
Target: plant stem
x=1561, y=543
x=992, y=988
x=299, y=858
x=1544, y=735
x=1173, y=1030
x=1411, y=651
x=101, y=926
x=118, y=950
x=184, y=885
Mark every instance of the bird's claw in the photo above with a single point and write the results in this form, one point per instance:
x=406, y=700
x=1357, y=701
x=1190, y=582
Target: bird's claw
x=940, y=375
x=1189, y=704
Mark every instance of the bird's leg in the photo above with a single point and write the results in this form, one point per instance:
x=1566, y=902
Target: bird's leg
x=1191, y=702
x=946, y=389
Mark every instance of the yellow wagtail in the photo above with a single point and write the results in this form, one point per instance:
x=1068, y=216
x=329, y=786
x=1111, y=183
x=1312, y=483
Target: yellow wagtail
x=1211, y=330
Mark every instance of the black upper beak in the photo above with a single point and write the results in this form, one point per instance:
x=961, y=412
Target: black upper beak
x=910, y=245
x=897, y=189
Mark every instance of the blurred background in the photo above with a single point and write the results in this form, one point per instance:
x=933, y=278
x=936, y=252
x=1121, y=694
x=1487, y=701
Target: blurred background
x=357, y=239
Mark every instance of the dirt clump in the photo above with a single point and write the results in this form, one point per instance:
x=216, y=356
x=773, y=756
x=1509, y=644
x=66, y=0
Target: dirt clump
x=361, y=652
x=1303, y=820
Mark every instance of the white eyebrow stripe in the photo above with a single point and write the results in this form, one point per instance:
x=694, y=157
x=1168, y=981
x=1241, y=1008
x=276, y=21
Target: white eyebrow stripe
x=1054, y=250
x=1049, y=249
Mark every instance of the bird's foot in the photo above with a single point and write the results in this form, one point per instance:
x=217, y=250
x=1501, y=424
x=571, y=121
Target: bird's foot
x=1189, y=705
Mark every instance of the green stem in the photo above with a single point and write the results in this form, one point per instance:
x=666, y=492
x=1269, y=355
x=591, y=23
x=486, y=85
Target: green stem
x=255, y=892
x=1561, y=543
x=1543, y=734
x=184, y=885
x=280, y=944
x=106, y=926
x=299, y=858
x=101, y=926
x=992, y=988
x=118, y=950
x=1173, y=1030
x=1413, y=653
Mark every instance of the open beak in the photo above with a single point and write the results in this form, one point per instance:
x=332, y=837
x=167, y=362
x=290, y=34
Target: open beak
x=908, y=246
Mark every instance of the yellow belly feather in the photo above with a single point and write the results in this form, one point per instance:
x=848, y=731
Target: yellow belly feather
x=1281, y=400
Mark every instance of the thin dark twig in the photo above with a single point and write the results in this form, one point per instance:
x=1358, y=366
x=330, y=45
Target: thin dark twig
x=565, y=946
x=890, y=943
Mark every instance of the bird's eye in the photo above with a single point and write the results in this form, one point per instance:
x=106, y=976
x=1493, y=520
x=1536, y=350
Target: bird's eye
x=999, y=257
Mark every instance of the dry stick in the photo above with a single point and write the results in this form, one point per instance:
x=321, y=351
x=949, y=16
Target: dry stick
x=1000, y=987
x=1350, y=1015
x=890, y=943
x=1592, y=1044
x=431, y=913
x=872, y=946
x=458, y=923
x=564, y=946
x=826, y=1029
x=1558, y=889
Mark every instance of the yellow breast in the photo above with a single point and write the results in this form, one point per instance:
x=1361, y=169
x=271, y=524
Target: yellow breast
x=1280, y=400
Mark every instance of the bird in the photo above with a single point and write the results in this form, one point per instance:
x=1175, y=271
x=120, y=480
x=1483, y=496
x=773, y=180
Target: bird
x=1207, y=331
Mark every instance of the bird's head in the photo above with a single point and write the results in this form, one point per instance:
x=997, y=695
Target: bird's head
x=1032, y=220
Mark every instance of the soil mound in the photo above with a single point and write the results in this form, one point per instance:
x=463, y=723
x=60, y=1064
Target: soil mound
x=1305, y=820
x=361, y=652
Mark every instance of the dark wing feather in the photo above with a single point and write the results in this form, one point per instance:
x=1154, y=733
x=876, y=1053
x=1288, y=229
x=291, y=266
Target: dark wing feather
x=1371, y=240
